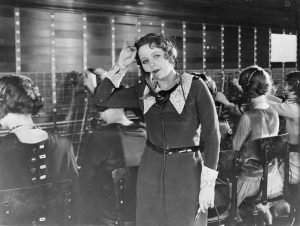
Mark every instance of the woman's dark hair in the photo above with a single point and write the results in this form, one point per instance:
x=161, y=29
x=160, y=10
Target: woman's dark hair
x=255, y=81
x=211, y=84
x=293, y=79
x=160, y=41
x=18, y=95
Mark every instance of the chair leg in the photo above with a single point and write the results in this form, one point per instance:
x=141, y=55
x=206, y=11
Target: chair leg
x=292, y=217
x=255, y=217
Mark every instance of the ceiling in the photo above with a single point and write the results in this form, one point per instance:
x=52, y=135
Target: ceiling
x=275, y=13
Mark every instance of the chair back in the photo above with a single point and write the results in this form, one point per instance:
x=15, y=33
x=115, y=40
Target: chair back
x=268, y=149
x=47, y=204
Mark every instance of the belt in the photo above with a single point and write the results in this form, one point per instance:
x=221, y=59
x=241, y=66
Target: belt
x=294, y=147
x=109, y=222
x=170, y=151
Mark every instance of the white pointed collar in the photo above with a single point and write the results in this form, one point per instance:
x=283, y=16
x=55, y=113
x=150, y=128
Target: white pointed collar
x=177, y=97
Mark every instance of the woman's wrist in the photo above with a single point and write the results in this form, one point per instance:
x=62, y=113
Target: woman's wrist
x=121, y=66
x=208, y=177
x=116, y=74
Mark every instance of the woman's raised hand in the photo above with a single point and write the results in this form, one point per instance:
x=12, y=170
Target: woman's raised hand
x=127, y=55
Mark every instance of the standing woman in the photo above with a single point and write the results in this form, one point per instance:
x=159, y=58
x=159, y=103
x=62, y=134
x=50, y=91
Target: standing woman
x=172, y=190
x=29, y=155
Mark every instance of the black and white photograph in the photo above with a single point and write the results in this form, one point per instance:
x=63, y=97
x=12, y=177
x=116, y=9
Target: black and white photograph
x=150, y=112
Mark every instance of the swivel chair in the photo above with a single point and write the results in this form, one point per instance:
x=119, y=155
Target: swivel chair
x=268, y=148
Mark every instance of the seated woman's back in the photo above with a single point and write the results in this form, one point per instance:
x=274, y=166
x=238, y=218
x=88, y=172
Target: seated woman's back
x=254, y=124
x=32, y=161
x=28, y=164
x=261, y=120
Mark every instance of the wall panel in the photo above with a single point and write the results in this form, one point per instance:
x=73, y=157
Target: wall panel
x=194, y=47
x=263, y=47
x=68, y=41
x=149, y=25
x=35, y=40
x=174, y=30
x=7, y=40
x=99, y=41
x=230, y=47
x=213, y=46
x=247, y=46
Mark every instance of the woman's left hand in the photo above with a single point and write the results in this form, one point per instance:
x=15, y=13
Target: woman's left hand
x=206, y=200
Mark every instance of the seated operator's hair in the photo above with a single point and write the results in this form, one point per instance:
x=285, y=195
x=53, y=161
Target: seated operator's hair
x=19, y=95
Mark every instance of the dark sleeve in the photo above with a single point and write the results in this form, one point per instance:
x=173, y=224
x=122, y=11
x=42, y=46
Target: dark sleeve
x=95, y=152
x=208, y=117
x=128, y=96
x=63, y=158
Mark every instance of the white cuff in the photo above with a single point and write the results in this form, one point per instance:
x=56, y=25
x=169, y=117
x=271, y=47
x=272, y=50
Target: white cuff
x=116, y=74
x=208, y=177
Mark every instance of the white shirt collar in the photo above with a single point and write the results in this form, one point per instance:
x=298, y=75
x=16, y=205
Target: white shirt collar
x=260, y=102
x=177, y=97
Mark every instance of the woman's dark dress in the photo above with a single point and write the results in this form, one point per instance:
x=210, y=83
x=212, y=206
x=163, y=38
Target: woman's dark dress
x=168, y=186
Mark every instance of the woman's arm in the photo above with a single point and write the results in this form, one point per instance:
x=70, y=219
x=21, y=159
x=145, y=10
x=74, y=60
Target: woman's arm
x=128, y=96
x=233, y=108
x=208, y=117
x=284, y=109
x=111, y=83
x=210, y=134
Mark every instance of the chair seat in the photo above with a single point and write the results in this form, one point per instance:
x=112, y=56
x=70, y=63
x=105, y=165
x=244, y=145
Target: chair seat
x=222, y=217
x=270, y=198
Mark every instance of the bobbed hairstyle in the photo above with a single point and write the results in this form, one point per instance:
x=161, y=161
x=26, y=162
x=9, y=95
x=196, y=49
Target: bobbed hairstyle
x=18, y=95
x=159, y=41
x=211, y=84
x=293, y=79
x=255, y=81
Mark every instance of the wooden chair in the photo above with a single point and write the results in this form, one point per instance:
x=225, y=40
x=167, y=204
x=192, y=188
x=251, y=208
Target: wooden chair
x=47, y=204
x=268, y=149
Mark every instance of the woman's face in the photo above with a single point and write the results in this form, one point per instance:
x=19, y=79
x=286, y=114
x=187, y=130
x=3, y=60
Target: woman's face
x=288, y=91
x=153, y=60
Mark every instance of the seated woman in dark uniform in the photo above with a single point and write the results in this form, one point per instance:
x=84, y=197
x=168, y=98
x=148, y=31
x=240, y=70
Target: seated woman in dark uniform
x=29, y=156
x=119, y=144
